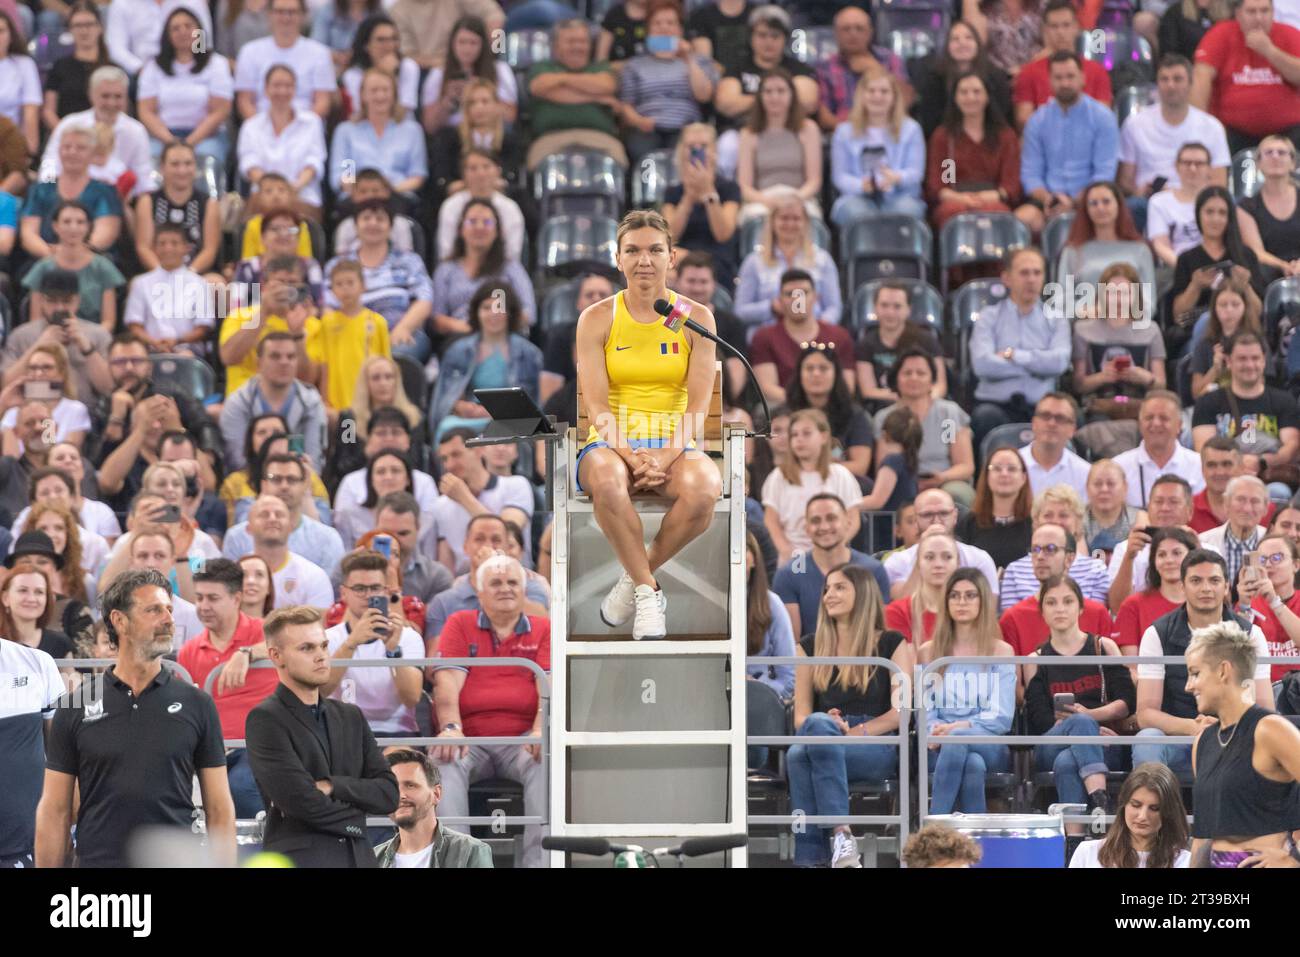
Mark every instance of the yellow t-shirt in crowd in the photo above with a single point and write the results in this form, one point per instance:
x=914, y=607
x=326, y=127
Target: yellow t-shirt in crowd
x=253, y=245
x=243, y=370
x=342, y=344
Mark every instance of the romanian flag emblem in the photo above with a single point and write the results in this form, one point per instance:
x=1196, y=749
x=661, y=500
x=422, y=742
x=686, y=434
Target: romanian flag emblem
x=669, y=348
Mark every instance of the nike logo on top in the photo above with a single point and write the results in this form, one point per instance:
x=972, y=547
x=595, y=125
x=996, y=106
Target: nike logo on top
x=621, y=348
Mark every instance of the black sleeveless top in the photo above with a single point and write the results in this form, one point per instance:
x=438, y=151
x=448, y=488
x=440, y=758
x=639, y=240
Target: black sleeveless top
x=878, y=697
x=189, y=215
x=1281, y=237
x=1091, y=685
x=1231, y=798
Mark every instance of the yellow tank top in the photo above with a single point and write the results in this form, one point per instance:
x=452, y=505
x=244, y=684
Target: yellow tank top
x=646, y=364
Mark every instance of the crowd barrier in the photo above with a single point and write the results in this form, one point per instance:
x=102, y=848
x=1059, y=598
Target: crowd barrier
x=912, y=701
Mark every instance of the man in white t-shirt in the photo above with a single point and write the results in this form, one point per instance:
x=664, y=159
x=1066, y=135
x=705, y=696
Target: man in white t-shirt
x=1150, y=138
x=1159, y=453
x=389, y=432
x=133, y=29
x=936, y=507
x=309, y=60
x=421, y=840
x=1171, y=213
x=297, y=581
x=386, y=696
x=469, y=489
x=153, y=548
x=170, y=307
x=31, y=686
x=108, y=104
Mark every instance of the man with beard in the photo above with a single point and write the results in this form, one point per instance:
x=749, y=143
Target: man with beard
x=126, y=449
x=421, y=841
x=314, y=758
x=132, y=744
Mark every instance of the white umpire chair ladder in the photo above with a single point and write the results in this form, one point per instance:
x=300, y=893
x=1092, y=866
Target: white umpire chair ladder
x=648, y=737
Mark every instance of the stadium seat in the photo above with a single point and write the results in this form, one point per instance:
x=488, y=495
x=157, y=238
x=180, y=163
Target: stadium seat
x=1281, y=317
x=1118, y=14
x=1133, y=99
x=927, y=304
x=192, y=375
x=47, y=49
x=414, y=381
x=889, y=246
x=913, y=29
x=766, y=714
x=965, y=308
x=581, y=182
x=571, y=245
x=1246, y=179
x=498, y=796
x=970, y=238
x=722, y=301
x=1126, y=56
x=1013, y=435
x=750, y=235
x=1054, y=233
x=526, y=47
x=813, y=45
x=649, y=183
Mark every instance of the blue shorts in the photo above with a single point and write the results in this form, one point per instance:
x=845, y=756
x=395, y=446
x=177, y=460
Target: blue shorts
x=631, y=444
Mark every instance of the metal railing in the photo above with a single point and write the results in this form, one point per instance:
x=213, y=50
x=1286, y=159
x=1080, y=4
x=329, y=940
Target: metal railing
x=543, y=692
x=924, y=740
x=898, y=740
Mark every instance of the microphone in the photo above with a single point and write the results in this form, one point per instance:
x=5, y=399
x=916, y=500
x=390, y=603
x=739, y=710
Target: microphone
x=591, y=846
x=676, y=316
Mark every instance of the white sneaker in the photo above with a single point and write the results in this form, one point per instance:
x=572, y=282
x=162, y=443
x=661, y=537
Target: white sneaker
x=844, y=852
x=620, y=603
x=651, y=604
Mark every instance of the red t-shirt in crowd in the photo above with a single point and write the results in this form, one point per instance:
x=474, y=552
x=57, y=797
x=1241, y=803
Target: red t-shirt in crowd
x=497, y=702
x=1203, y=518
x=772, y=343
x=199, y=657
x=898, y=617
x=1137, y=613
x=1248, y=94
x=1033, y=84
x=1024, y=630
x=1279, y=643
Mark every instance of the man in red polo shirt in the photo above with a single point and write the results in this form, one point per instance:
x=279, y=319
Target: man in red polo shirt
x=233, y=640
x=1248, y=73
x=1022, y=625
x=1033, y=88
x=1221, y=461
x=776, y=346
x=493, y=702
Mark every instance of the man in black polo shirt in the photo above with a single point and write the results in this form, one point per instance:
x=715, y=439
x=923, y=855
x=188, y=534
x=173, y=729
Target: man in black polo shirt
x=134, y=747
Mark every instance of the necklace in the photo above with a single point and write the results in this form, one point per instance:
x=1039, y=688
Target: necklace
x=1218, y=733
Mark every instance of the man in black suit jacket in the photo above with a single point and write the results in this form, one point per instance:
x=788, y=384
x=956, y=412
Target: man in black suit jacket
x=315, y=760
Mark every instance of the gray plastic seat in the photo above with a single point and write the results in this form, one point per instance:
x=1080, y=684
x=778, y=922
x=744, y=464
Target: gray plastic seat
x=651, y=180
x=971, y=238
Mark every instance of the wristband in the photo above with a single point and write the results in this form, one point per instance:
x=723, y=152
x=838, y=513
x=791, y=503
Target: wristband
x=1275, y=603
x=451, y=726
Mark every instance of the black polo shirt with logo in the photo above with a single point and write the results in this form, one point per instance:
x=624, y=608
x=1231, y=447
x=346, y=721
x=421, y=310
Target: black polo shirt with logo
x=135, y=759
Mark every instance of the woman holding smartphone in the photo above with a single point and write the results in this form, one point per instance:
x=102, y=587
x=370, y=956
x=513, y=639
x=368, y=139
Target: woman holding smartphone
x=1064, y=699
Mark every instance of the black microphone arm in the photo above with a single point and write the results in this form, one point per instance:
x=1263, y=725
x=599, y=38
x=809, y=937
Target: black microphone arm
x=665, y=309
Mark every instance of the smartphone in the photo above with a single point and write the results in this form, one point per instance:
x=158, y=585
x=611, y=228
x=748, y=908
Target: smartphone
x=59, y=318
x=1150, y=529
x=380, y=604
x=383, y=544
x=1224, y=267
x=42, y=390
x=698, y=155
x=169, y=514
x=296, y=446
x=1123, y=362
x=1062, y=702
x=1250, y=568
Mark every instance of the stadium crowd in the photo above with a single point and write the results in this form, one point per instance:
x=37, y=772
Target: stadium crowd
x=258, y=255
